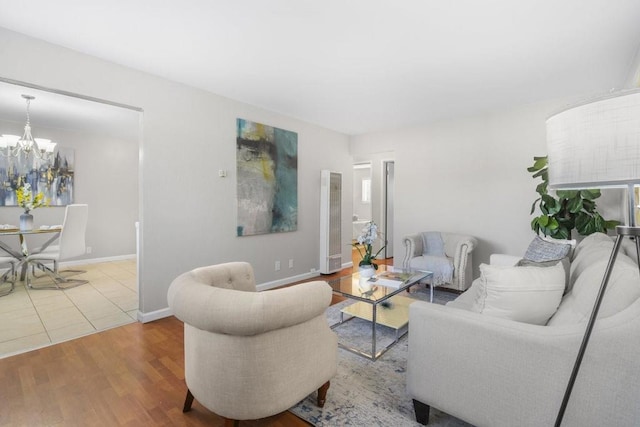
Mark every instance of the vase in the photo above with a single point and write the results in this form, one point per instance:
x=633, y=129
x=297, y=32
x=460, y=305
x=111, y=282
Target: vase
x=366, y=271
x=26, y=222
x=364, y=284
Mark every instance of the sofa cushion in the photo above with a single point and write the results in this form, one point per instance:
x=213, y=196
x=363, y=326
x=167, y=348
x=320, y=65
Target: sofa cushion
x=525, y=294
x=566, y=264
x=541, y=250
x=623, y=288
x=588, y=241
x=467, y=299
x=593, y=248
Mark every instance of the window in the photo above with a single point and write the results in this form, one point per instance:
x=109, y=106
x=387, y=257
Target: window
x=366, y=190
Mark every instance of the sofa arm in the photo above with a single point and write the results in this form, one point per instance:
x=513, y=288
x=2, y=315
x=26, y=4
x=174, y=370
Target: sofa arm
x=232, y=312
x=464, y=248
x=496, y=372
x=412, y=248
x=488, y=371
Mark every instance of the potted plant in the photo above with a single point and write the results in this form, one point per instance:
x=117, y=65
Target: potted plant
x=27, y=201
x=567, y=210
x=366, y=239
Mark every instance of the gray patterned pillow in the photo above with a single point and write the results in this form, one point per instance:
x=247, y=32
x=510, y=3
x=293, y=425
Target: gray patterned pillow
x=540, y=250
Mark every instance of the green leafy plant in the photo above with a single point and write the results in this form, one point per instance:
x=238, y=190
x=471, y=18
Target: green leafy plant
x=568, y=210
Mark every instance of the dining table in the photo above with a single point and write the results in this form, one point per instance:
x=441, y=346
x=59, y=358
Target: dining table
x=23, y=250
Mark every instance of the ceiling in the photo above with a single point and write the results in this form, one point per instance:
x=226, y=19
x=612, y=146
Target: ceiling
x=356, y=66
x=53, y=110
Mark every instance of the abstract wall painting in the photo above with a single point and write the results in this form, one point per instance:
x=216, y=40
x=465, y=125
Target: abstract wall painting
x=267, y=173
x=54, y=179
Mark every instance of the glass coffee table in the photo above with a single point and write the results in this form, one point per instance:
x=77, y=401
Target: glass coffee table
x=382, y=290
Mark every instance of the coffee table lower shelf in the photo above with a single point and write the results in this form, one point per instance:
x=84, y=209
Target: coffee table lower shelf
x=396, y=317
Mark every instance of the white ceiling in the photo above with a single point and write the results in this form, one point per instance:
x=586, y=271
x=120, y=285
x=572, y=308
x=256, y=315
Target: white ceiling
x=356, y=66
x=52, y=110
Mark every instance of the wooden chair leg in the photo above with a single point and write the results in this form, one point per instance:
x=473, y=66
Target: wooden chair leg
x=422, y=412
x=231, y=423
x=188, y=401
x=322, y=394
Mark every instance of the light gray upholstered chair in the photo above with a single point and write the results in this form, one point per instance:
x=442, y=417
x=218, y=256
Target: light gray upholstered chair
x=458, y=249
x=249, y=354
x=71, y=244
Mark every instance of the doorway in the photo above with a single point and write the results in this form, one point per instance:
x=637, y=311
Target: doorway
x=105, y=141
x=362, y=212
x=389, y=183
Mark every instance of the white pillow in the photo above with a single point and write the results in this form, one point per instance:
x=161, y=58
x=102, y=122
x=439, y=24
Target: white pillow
x=523, y=294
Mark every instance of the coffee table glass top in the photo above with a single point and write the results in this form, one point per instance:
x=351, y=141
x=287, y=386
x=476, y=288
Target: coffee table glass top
x=373, y=290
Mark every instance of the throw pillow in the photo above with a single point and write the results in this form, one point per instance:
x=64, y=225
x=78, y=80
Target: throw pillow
x=541, y=250
x=523, y=294
x=566, y=264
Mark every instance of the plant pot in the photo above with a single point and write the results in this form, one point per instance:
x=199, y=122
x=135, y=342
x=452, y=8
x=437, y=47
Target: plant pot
x=26, y=222
x=366, y=271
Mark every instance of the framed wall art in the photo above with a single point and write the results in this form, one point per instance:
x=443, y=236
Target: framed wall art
x=267, y=173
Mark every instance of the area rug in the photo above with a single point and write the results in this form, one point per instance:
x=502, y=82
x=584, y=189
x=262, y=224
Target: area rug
x=367, y=393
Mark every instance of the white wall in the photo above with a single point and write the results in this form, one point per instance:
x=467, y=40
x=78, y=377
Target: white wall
x=106, y=178
x=188, y=214
x=469, y=176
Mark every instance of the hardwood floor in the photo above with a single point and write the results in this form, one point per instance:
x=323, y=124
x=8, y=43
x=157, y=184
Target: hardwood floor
x=132, y=375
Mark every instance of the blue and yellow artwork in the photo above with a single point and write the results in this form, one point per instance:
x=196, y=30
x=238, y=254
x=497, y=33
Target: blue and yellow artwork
x=267, y=171
x=55, y=178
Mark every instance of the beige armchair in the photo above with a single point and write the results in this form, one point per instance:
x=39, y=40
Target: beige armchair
x=249, y=354
x=458, y=249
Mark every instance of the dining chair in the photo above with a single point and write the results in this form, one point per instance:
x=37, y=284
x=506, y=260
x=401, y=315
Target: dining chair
x=71, y=244
x=9, y=274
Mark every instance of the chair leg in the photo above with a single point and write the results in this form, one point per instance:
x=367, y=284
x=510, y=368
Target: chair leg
x=188, y=401
x=3, y=279
x=322, y=394
x=56, y=278
x=422, y=412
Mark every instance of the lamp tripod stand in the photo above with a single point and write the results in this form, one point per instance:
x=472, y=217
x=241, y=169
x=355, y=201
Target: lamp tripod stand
x=622, y=232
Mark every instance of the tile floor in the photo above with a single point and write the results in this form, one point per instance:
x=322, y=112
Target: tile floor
x=34, y=318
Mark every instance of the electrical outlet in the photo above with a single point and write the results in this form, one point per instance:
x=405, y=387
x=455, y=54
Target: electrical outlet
x=313, y=270
x=291, y=263
x=277, y=265
x=88, y=249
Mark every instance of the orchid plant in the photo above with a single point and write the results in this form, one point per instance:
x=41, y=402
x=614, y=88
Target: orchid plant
x=366, y=239
x=27, y=201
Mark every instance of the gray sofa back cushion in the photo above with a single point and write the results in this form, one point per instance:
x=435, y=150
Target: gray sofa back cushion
x=587, y=271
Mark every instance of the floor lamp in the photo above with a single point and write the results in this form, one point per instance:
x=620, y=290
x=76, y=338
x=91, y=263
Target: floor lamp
x=597, y=145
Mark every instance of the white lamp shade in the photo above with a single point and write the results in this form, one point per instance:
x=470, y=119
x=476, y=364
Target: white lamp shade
x=11, y=140
x=45, y=145
x=597, y=144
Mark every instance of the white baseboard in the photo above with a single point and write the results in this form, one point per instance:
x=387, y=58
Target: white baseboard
x=293, y=279
x=154, y=315
x=286, y=281
x=89, y=261
x=166, y=312
x=98, y=260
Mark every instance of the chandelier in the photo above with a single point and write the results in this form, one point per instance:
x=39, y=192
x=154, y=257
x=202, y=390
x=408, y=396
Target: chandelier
x=14, y=146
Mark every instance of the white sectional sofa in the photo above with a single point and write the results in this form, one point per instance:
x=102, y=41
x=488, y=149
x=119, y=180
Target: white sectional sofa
x=494, y=371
